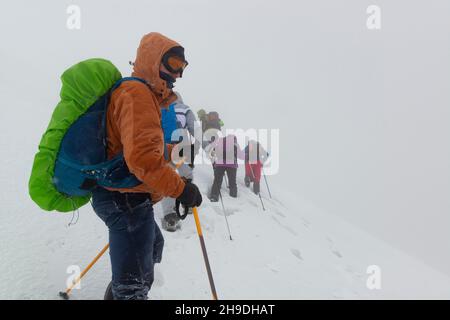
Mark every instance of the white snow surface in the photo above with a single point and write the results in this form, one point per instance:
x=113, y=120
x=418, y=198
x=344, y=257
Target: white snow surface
x=293, y=250
x=290, y=251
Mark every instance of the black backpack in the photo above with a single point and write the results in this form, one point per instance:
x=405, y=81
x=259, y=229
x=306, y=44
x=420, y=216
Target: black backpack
x=213, y=121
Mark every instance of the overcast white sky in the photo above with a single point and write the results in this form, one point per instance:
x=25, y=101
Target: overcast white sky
x=363, y=114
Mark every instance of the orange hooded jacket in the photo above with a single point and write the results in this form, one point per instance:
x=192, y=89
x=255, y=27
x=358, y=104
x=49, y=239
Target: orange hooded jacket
x=134, y=122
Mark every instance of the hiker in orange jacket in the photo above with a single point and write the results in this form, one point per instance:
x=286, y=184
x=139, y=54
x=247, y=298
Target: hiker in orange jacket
x=134, y=128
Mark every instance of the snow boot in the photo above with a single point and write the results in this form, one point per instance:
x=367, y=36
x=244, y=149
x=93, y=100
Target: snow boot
x=256, y=187
x=213, y=198
x=108, y=292
x=171, y=222
x=233, y=191
x=247, y=181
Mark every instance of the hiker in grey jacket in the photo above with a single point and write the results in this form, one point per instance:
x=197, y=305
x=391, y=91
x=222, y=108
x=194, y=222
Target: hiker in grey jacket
x=189, y=130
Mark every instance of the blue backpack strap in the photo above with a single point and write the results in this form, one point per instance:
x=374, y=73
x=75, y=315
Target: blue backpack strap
x=119, y=82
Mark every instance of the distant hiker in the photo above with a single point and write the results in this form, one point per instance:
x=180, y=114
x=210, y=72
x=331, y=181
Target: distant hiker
x=213, y=121
x=202, y=115
x=134, y=128
x=255, y=156
x=180, y=116
x=225, y=154
x=209, y=120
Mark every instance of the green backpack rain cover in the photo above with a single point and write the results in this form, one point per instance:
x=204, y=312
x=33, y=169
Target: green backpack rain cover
x=82, y=85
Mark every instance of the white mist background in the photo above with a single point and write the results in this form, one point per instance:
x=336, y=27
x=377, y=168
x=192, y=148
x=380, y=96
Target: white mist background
x=363, y=114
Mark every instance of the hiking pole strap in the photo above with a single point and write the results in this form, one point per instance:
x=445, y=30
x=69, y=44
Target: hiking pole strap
x=177, y=210
x=267, y=185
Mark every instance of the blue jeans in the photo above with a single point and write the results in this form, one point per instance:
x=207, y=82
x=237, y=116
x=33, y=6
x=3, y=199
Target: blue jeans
x=135, y=240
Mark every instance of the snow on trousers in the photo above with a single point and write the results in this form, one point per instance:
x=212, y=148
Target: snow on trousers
x=135, y=240
x=168, y=204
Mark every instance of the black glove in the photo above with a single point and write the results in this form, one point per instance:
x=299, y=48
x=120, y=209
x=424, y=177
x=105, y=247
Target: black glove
x=191, y=196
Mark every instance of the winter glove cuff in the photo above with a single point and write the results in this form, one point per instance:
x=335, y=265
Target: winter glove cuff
x=191, y=196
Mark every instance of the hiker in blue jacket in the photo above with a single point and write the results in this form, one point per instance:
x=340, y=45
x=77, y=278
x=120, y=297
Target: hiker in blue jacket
x=180, y=124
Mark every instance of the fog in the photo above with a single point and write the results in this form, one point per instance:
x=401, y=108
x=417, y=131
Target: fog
x=363, y=114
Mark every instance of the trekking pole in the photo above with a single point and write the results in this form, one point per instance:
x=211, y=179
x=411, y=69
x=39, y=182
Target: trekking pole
x=225, y=214
x=262, y=203
x=205, y=254
x=224, y=211
x=226, y=181
x=259, y=193
x=267, y=185
x=65, y=295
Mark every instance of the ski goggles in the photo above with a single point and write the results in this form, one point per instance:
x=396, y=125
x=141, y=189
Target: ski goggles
x=174, y=63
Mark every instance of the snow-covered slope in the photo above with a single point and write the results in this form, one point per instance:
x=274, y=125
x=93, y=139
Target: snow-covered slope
x=290, y=251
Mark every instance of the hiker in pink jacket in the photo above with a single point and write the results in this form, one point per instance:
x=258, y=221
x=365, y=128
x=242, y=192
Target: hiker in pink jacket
x=226, y=153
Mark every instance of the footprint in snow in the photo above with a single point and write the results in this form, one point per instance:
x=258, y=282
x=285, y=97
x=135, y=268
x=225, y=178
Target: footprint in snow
x=279, y=213
x=350, y=270
x=278, y=201
x=297, y=254
x=273, y=267
x=333, y=248
x=229, y=211
x=306, y=223
x=336, y=253
x=290, y=230
x=254, y=204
